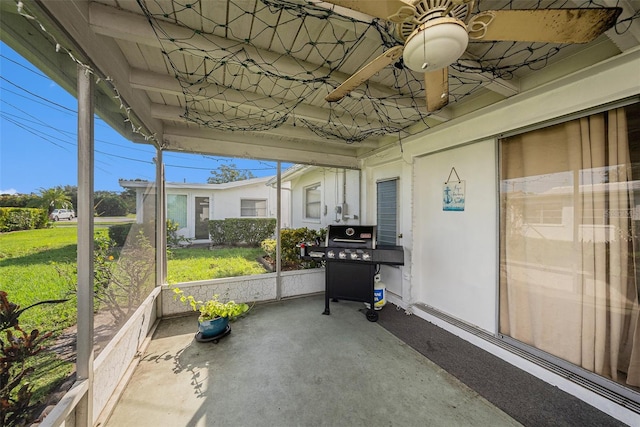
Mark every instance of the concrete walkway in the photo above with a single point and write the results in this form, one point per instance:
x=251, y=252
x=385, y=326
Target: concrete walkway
x=285, y=364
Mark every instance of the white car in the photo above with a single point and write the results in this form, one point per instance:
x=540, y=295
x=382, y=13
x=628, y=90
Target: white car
x=59, y=214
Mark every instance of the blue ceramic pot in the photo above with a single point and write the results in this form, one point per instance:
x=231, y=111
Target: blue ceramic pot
x=211, y=328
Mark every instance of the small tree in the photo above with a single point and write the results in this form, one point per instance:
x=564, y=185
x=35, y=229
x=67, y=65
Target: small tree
x=229, y=173
x=53, y=198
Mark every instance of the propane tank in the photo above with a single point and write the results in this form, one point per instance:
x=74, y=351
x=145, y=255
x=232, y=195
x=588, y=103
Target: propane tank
x=379, y=293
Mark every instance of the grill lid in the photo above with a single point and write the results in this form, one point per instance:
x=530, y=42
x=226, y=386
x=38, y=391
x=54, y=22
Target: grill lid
x=351, y=236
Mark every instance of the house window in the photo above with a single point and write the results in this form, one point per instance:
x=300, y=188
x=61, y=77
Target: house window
x=177, y=209
x=571, y=289
x=387, y=211
x=312, y=202
x=253, y=207
x=543, y=213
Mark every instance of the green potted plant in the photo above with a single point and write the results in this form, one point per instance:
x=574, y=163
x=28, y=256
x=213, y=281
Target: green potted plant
x=214, y=316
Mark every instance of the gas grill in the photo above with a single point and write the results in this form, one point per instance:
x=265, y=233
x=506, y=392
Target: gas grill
x=352, y=258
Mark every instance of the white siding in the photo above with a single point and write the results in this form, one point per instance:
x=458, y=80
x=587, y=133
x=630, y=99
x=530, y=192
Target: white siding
x=451, y=257
x=334, y=193
x=455, y=253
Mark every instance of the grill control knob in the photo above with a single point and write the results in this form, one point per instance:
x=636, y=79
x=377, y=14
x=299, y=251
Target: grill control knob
x=366, y=256
x=331, y=254
x=354, y=255
x=342, y=255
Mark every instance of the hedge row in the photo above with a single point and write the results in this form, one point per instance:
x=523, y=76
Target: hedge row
x=15, y=219
x=241, y=231
x=120, y=232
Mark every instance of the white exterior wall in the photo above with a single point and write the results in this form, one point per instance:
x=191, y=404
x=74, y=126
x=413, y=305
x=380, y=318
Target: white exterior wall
x=455, y=253
x=226, y=203
x=190, y=230
x=224, y=200
x=436, y=241
x=452, y=257
x=334, y=193
x=396, y=279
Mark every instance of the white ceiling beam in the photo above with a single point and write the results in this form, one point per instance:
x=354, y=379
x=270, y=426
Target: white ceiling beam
x=119, y=24
x=503, y=87
x=238, y=144
x=161, y=83
x=132, y=27
x=168, y=112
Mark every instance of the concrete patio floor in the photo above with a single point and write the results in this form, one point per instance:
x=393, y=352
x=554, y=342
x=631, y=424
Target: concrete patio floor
x=285, y=364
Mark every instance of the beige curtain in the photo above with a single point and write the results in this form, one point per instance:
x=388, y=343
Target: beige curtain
x=570, y=288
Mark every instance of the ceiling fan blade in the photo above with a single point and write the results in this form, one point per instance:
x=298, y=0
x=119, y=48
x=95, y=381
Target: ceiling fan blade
x=391, y=10
x=542, y=25
x=364, y=73
x=436, y=84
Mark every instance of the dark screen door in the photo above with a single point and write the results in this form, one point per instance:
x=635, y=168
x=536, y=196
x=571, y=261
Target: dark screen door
x=202, y=217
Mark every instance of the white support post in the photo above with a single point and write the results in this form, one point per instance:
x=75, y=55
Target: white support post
x=161, y=223
x=278, y=225
x=84, y=363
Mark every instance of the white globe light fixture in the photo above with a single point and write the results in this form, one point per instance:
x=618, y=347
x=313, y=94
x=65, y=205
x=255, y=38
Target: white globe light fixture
x=435, y=44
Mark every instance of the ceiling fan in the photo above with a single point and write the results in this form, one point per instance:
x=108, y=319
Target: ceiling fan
x=436, y=34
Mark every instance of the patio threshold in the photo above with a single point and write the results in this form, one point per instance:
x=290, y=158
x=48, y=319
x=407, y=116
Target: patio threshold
x=285, y=364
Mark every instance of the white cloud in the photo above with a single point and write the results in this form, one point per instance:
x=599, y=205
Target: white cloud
x=9, y=191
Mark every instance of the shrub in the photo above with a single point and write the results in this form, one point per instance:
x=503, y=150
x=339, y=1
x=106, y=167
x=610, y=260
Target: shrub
x=122, y=278
x=239, y=231
x=119, y=232
x=19, y=200
x=216, y=232
x=120, y=285
x=15, y=219
x=110, y=205
x=174, y=240
x=17, y=350
x=289, y=239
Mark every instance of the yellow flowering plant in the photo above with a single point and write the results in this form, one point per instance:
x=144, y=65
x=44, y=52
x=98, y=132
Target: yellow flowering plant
x=212, y=308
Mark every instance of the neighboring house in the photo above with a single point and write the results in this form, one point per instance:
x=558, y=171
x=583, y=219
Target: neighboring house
x=321, y=196
x=193, y=205
x=551, y=214
x=312, y=197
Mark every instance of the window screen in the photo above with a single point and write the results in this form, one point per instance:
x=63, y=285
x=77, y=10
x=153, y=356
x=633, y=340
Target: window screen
x=253, y=207
x=312, y=202
x=177, y=209
x=387, y=211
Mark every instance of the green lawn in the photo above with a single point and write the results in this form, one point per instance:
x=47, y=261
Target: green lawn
x=28, y=275
x=188, y=265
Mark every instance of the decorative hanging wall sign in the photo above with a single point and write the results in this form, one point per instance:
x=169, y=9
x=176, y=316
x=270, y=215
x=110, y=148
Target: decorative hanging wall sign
x=453, y=195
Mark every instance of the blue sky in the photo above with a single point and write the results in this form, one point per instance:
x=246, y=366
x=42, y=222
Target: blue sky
x=38, y=140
